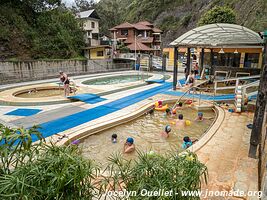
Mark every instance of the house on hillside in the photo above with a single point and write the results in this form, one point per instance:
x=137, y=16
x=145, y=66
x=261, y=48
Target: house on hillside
x=90, y=23
x=141, y=37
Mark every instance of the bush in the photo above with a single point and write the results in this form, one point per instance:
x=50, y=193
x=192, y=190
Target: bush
x=151, y=172
x=40, y=171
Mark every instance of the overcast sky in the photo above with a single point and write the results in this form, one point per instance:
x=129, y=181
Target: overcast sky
x=70, y=2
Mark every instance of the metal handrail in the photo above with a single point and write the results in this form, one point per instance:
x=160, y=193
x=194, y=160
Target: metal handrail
x=238, y=78
x=194, y=88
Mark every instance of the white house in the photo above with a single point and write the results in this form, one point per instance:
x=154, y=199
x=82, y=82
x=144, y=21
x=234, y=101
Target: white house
x=90, y=22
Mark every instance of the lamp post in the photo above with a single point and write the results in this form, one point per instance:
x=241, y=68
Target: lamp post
x=135, y=57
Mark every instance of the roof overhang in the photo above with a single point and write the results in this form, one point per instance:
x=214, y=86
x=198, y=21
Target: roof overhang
x=218, y=35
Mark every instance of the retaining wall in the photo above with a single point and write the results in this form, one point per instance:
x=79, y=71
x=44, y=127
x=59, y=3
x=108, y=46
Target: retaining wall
x=19, y=71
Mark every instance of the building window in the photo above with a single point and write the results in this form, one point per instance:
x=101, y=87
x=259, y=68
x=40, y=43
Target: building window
x=95, y=36
x=99, y=53
x=226, y=59
x=124, y=32
x=93, y=24
x=251, y=60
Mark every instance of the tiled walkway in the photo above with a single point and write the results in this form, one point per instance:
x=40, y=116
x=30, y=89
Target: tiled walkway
x=226, y=156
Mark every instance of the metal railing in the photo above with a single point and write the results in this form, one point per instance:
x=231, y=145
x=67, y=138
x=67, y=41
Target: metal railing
x=195, y=90
x=229, y=80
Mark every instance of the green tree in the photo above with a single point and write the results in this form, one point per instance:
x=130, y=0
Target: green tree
x=58, y=35
x=218, y=14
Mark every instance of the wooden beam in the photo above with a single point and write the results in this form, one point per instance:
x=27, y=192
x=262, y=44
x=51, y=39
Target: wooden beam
x=188, y=63
x=175, y=68
x=202, y=61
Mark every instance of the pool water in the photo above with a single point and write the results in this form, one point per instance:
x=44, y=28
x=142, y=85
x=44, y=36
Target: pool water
x=31, y=93
x=146, y=132
x=116, y=79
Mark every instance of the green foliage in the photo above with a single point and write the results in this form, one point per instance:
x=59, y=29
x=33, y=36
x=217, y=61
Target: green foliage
x=218, y=15
x=39, y=29
x=61, y=35
x=39, y=171
x=181, y=172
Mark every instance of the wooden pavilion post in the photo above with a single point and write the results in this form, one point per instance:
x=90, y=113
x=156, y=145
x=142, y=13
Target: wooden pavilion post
x=175, y=68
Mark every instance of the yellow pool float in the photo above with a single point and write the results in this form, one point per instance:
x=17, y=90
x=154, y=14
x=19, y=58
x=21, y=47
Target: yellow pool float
x=163, y=108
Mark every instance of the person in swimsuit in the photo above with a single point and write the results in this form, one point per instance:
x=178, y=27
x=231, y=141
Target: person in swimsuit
x=166, y=132
x=129, y=145
x=65, y=80
x=190, y=79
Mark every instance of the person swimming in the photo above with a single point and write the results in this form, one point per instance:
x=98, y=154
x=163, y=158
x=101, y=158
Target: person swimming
x=166, y=132
x=114, y=138
x=168, y=112
x=180, y=120
x=200, y=116
x=178, y=106
x=186, y=142
x=129, y=145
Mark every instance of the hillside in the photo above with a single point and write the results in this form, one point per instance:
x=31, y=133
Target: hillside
x=38, y=29
x=176, y=17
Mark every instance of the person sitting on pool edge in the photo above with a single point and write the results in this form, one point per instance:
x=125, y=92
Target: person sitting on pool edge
x=114, y=138
x=166, y=132
x=129, y=145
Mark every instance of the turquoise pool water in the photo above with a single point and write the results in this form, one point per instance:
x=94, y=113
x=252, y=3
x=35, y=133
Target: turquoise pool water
x=116, y=79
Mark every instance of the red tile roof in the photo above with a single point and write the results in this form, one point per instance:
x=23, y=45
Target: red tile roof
x=141, y=27
x=139, y=47
x=156, y=30
x=122, y=26
x=146, y=23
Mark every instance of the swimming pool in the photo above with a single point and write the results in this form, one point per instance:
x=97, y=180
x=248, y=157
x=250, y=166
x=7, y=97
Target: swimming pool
x=116, y=79
x=146, y=132
x=40, y=92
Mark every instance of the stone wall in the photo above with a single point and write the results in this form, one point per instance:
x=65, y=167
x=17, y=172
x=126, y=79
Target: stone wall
x=11, y=72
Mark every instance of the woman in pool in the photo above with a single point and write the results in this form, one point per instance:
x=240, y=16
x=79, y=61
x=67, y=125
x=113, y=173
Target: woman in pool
x=166, y=132
x=65, y=80
x=129, y=145
x=186, y=142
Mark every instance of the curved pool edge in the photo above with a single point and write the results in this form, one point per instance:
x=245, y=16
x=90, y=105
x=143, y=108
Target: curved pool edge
x=206, y=137
x=98, y=127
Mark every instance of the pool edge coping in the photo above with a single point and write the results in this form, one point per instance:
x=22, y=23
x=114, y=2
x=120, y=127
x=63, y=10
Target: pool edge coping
x=107, y=124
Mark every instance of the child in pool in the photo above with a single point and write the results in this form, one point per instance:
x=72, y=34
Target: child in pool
x=114, y=138
x=178, y=106
x=180, y=121
x=129, y=145
x=200, y=117
x=166, y=132
x=186, y=142
x=168, y=113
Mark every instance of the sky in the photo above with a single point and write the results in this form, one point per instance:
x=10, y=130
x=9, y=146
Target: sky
x=70, y=2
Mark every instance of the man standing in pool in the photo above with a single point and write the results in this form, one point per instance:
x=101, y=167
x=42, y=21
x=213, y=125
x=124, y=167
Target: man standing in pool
x=65, y=80
x=129, y=145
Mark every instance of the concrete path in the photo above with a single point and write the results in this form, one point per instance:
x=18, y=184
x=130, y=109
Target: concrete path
x=226, y=156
